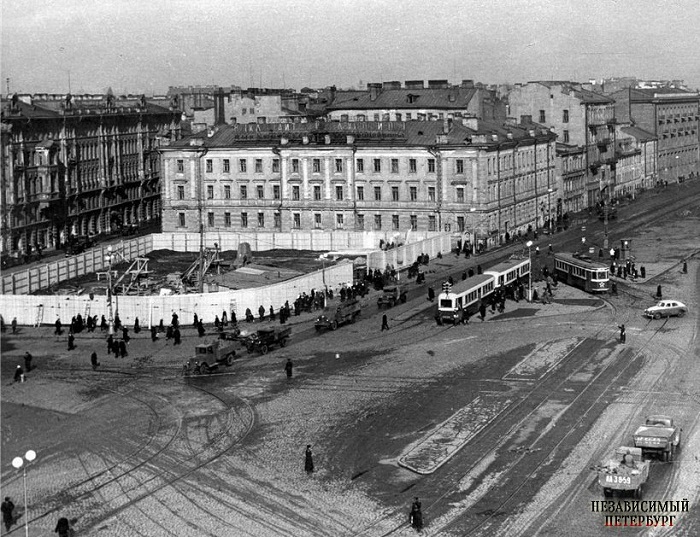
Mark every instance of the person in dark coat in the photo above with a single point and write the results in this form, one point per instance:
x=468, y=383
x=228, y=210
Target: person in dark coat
x=261, y=313
x=623, y=335
x=175, y=320
x=234, y=320
x=8, y=515
x=62, y=527
x=200, y=329
x=658, y=292
x=71, y=342
x=170, y=332
x=272, y=313
x=176, y=336
x=385, y=323
x=431, y=294
x=125, y=334
x=103, y=324
x=117, y=322
x=224, y=318
x=416, y=515
x=196, y=320
x=122, y=349
x=137, y=327
x=93, y=360
x=288, y=367
x=217, y=322
x=308, y=460
x=19, y=373
x=161, y=326
x=14, y=325
x=110, y=343
x=482, y=311
x=27, y=362
x=154, y=333
x=58, y=325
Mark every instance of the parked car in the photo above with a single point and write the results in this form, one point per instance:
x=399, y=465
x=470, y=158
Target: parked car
x=666, y=308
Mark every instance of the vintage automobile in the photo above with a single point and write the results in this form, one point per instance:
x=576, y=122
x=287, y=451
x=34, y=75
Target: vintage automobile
x=209, y=356
x=333, y=317
x=666, y=308
x=265, y=338
x=658, y=436
x=391, y=295
x=625, y=472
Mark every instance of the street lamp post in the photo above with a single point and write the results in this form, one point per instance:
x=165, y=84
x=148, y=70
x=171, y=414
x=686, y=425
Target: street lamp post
x=108, y=258
x=549, y=209
x=18, y=462
x=529, y=273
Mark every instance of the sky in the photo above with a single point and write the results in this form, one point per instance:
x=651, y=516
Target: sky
x=145, y=46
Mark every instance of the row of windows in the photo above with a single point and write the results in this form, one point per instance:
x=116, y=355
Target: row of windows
x=564, y=117
x=677, y=119
x=398, y=116
x=678, y=134
x=339, y=165
x=246, y=221
x=317, y=193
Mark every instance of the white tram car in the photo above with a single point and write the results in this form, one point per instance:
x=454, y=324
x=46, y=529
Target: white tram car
x=464, y=298
x=582, y=272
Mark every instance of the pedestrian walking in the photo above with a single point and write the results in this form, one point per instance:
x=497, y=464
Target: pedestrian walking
x=71, y=341
x=415, y=517
x=110, y=343
x=288, y=367
x=659, y=295
x=27, y=362
x=200, y=328
x=58, y=326
x=217, y=322
x=125, y=334
x=93, y=360
x=385, y=323
x=431, y=294
x=482, y=311
x=224, y=318
x=62, y=527
x=261, y=313
x=685, y=267
x=117, y=322
x=8, y=515
x=195, y=323
x=308, y=460
x=19, y=374
x=122, y=349
x=14, y=325
x=623, y=335
x=272, y=313
x=103, y=324
x=154, y=333
x=176, y=336
x=137, y=326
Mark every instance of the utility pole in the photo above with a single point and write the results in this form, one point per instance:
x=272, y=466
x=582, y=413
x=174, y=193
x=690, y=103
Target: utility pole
x=200, y=207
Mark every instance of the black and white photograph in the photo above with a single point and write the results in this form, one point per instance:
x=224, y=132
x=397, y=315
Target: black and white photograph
x=350, y=268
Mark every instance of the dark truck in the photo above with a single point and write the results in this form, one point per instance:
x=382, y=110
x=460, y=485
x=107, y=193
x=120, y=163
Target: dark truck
x=624, y=472
x=658, y=436
x=391, y=295
x=265, y=338
x=333, y=317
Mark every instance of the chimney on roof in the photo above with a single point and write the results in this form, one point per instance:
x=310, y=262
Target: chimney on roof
x=471, y=123
x=509, y=135
x=394, y=84
x=374, y=89
x=526, y=119
x=219, y=111
x=446, y=125
x=438, y=84
x=467, y=84
x=333, y=90
x=414, y=84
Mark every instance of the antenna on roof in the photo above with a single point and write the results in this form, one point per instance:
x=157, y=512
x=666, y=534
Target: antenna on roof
x=7, y=83
x=69, y=91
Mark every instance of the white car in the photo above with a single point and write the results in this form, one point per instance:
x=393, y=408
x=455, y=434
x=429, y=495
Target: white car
x=666, y=308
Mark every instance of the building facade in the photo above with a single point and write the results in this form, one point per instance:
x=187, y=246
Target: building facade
x=580, y=118
x=636, y=161
x=571, y=175
x=487, y=180
x=673, y=116
x=390, y=101
x=78, y=166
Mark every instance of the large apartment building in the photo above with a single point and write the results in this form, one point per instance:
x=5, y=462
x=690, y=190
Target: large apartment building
x=672, y=116
x=79, y=166
x=580, y=118
x=489, y=180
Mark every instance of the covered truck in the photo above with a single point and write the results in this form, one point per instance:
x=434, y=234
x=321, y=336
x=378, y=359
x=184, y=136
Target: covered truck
x=625, y=471
x=391, y=295
x=333, y=317
x=658, y=436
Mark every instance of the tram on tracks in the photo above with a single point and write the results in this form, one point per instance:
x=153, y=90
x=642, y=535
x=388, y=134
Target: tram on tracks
x=583, y=272
x=457, y=303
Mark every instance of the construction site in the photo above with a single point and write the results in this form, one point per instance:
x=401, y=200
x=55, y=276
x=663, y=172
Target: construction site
x=165, y=272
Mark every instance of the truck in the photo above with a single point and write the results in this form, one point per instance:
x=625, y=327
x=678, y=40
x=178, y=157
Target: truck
x=265, y=338
x=625, y=471
x=333, y=317
x=209, y=356
x=391, y=295
x=659, y=436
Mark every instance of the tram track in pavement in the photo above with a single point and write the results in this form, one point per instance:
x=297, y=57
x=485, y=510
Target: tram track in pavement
x=126, y=467
x=490, y=437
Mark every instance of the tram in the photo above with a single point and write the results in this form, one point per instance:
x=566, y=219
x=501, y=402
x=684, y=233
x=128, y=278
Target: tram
x=464, y=298
x=582, y=272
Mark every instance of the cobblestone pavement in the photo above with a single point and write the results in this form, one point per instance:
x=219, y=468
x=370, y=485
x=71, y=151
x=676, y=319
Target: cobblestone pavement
x=135, y=449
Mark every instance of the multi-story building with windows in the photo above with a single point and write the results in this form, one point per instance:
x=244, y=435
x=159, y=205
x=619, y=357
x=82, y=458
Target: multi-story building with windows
x=482, y=178
x=571, y=176
x=389, y=101
x=636, y=161
x=79, y=165
x=673, y=116
x=579, y=117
